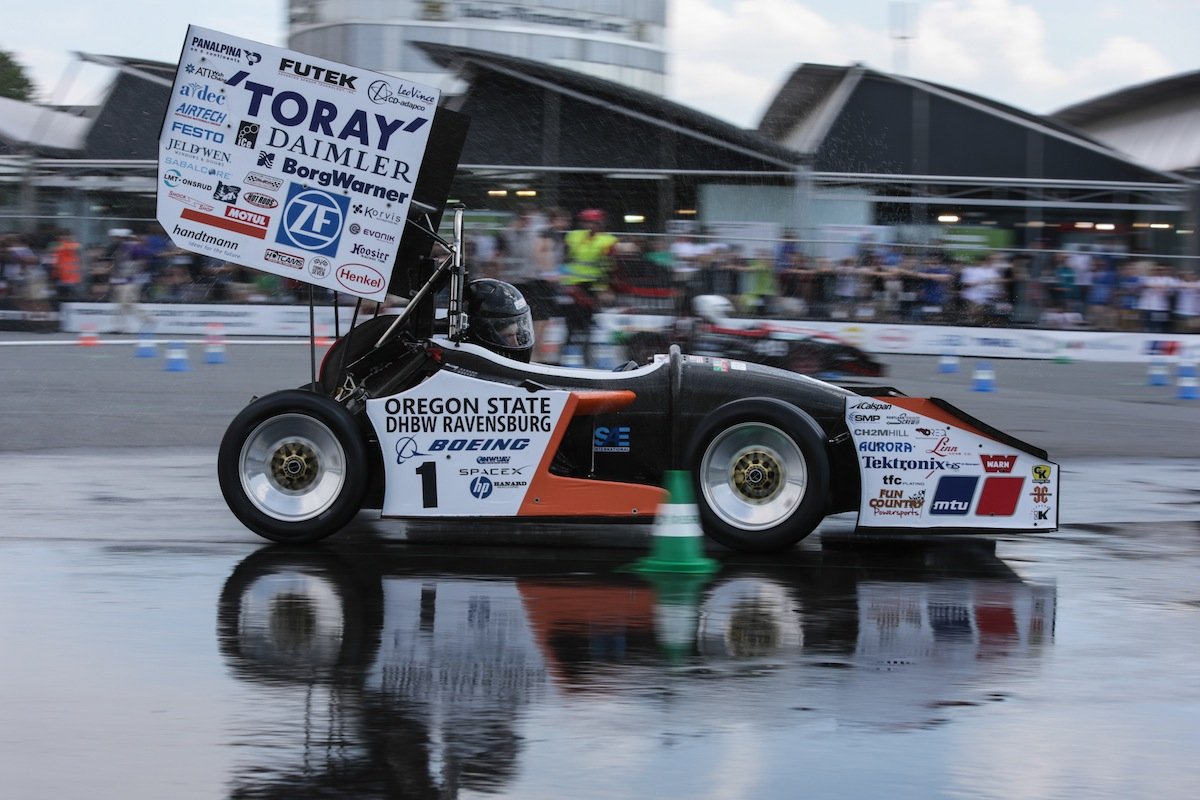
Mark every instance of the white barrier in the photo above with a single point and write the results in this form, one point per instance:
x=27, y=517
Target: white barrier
x=935, y=340
x=965, y=342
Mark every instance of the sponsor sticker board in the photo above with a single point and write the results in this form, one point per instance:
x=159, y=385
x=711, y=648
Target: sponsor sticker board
x=456, y=446
x=925, y=472
x=290, y=164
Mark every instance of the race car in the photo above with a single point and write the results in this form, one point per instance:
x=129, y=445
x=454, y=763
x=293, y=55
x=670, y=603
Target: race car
x=714, y=330
x=461, y=426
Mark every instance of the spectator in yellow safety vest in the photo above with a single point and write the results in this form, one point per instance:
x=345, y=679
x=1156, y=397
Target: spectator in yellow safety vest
x=586, y=274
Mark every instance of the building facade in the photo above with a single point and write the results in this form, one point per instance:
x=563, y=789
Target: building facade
x=619, y=40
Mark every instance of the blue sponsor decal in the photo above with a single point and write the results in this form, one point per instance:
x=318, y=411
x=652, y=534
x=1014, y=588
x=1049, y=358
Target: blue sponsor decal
x=406, y=448
x=481, y=487
x=312, y=220
x=454, y=445
x=611, y=440
x=954, y=493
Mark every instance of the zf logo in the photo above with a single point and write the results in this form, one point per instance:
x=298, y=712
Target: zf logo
x=481, y=487
x=312, y=220
x=611, y=440
x=247, y=134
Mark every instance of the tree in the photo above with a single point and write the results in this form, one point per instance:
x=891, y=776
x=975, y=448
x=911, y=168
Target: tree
x=14, y=83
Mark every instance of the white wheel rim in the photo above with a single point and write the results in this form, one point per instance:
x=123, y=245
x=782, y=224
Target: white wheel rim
x=753, y=476
x=292, y=467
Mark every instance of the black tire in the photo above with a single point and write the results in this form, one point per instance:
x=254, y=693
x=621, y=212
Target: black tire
x=293, y=466
x=349, y=348
x=762, y=475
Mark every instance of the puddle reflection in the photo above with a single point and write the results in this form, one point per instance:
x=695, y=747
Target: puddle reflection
x=426, y=672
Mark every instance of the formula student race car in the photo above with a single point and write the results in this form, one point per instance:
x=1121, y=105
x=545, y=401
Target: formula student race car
x=714, y=331
x=460, y=425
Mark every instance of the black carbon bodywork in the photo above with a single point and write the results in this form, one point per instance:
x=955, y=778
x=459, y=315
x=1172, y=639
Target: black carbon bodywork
x=672, y=401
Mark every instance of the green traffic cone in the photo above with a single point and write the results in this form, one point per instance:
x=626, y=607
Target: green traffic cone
x=678, y=541
x=676, y=612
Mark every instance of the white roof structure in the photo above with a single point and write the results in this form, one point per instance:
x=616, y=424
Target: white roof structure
x=24, y=124
x=1153, y=123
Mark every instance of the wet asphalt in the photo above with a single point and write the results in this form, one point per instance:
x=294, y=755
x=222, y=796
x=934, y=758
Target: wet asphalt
x=155, y=648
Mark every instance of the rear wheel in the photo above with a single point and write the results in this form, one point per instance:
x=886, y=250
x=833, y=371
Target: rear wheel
x=349, y=348
x=762, y=475
x=293, y=466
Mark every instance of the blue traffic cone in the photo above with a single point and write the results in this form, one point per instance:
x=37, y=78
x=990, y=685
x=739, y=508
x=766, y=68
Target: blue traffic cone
x=177, y=358
x=1157, y=374
x=1186, y=381
x=985, y=378
x=146, y=348
x=678, y=541
x=948, y=363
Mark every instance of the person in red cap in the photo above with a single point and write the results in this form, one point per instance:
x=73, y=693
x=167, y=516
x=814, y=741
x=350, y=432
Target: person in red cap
x=588, y=252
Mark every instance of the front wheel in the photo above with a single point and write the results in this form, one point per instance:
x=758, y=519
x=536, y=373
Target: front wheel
x=762, y=475
x=293, y=466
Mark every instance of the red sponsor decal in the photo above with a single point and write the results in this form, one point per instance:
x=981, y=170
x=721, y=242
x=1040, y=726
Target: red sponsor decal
x=998, y=463
x=944, y=448
x=1041, y=494
x=247, y=216
x=227, y=224
x=360, y=278
x=999, y=497
x=189, y=201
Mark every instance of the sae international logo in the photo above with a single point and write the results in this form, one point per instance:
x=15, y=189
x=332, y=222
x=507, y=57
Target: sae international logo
x=312, y=220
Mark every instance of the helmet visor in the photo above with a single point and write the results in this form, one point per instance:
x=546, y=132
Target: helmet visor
x=510, y=333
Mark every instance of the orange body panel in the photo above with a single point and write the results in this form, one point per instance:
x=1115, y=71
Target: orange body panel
x=554, y=495
x=919, y=405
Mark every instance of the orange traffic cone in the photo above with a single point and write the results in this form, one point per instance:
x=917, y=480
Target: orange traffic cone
x=87, y=335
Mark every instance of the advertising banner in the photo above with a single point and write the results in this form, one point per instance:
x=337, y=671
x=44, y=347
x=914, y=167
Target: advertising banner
x=923, y=468
x=290, y=164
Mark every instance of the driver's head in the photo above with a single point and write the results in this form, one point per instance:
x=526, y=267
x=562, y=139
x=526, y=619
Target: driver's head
x=498, y=318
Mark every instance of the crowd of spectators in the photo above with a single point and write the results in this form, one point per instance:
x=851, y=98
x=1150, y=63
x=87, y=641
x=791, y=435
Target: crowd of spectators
x=37, y=273
x=590, y=270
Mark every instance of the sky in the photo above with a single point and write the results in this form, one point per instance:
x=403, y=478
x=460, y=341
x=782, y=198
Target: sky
x=727, y=58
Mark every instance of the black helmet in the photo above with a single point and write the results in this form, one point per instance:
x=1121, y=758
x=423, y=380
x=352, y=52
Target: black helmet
x=498, y=318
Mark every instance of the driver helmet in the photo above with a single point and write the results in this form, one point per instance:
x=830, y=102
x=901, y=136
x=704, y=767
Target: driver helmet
x=499, y=319
x=713, y=308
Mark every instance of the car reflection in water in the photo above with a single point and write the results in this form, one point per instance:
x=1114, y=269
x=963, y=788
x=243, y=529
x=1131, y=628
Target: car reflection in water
x=393, y=670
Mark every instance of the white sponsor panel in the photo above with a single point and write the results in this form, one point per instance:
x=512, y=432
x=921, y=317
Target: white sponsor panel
x=274, y=159
x=1109, y=346
x=922, y=472
x=456, y=446
x=185, y=319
